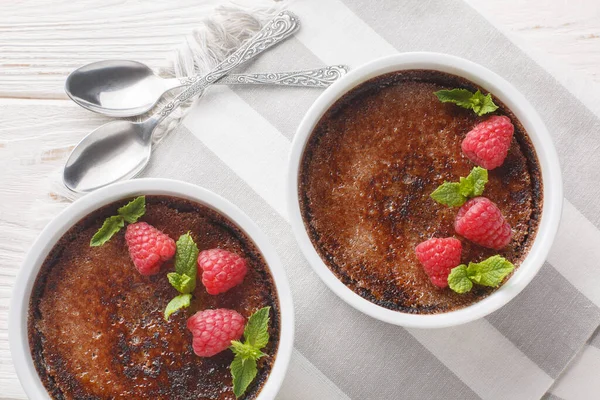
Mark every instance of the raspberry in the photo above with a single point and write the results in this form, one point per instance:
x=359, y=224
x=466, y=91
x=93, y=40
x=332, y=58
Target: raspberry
x=222, y=270
x=438, y=257
x=148, y=247
x=481, y=221
x=487, y=144
x=213, y=330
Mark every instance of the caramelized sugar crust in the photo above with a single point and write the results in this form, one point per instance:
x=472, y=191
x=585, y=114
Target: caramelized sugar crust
x=365, y=179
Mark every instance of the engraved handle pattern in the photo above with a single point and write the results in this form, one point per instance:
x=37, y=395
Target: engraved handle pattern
x=321, y=77
x=276, y=30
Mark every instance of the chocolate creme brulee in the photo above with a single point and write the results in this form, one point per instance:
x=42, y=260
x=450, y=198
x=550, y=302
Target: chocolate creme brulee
x=96, y=326
x=367, y=174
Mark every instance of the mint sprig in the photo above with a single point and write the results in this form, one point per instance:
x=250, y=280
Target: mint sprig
x=454, y=194
x=474, y=184
x=256, y=336
x=130, y=213
x=490, y=272
x=478, y=102
x=184, y=277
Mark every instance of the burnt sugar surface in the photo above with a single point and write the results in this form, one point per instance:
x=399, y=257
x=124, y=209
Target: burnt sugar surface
x=96, y=326
x=365, y=179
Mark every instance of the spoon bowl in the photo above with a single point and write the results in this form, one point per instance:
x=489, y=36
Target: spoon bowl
x=117, y=88
x=113, y=152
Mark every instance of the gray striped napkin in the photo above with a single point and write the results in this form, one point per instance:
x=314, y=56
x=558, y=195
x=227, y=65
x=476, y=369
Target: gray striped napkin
x=235, y=142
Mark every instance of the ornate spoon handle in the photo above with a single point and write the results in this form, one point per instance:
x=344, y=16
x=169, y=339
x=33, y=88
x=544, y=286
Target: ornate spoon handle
x=276, y=30
x=320, y=77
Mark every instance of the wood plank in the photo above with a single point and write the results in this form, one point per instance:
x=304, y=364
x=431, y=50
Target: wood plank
x=568, y=31
x=35, y=139
x=41, y=41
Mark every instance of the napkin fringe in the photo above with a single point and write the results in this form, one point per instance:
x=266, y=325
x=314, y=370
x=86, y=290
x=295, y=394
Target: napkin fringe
x=216, y=37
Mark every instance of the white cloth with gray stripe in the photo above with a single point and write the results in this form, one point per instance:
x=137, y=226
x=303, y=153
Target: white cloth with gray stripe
x=235, y=142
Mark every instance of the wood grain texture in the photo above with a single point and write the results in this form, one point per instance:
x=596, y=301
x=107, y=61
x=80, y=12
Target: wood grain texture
x=567, y=31
x=41, y=41
x=32, y=147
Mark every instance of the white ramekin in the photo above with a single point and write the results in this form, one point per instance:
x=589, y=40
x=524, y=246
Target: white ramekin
x=19, y=344
x=550, y=169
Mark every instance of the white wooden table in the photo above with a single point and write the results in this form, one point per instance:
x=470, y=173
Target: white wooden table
x=41, y=41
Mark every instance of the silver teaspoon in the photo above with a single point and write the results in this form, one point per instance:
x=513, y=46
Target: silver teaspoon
x=121, y=149
x=124, y=88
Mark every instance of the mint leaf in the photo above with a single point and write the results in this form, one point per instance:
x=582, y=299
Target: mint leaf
x=449, y=194
x=483, y=104
x=184, y=277
x=458, y=279
x=183, y=283
x=243, y=371
x=474, y=184
x=256, y=336
x=186, y=257
x=110, y=226
x=465, y=187
x=133, y=210
x=181, y=301
x=490, y=272
x=460, y=97
x=478, y=102
x=256, y=332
